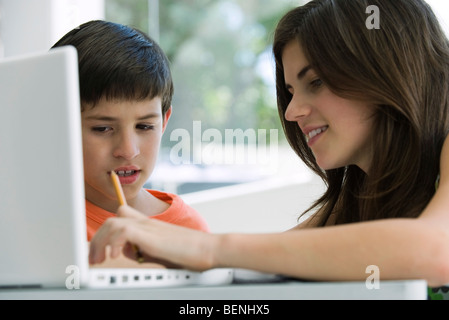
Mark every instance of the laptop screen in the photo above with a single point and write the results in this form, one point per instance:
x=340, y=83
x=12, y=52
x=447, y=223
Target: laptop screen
x=42, y=207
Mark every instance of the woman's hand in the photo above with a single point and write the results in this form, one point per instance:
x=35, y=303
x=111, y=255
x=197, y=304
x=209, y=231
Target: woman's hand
x=162, y=242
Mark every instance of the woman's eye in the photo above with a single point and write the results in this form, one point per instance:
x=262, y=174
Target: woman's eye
x=316, y=83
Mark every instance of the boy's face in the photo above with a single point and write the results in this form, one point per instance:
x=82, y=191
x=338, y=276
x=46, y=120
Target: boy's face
x=123, y=136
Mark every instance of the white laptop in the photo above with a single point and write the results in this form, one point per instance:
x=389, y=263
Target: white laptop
x=43, y=239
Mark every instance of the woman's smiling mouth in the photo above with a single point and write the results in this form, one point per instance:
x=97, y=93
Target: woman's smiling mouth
x=314, y=133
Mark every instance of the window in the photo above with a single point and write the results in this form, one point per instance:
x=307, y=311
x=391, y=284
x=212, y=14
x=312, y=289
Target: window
x=225, y=127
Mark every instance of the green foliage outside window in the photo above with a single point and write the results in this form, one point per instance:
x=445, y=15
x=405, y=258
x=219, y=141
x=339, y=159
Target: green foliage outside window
x=220, y=58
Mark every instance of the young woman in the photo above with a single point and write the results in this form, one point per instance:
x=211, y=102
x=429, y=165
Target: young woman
x=367, y=110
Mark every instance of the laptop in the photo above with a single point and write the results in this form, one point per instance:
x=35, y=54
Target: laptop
x=43, y=240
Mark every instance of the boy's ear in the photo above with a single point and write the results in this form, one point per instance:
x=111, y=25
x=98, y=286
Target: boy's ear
x=166, y=117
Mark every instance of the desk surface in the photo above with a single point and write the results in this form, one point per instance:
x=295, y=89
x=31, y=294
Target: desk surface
x=291, y=290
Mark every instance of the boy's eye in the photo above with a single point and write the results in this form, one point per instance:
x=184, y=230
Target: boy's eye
x=145, y=127
x=101, y=129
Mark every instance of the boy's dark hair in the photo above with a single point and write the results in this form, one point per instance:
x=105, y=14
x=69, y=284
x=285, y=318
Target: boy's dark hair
x=119, y=62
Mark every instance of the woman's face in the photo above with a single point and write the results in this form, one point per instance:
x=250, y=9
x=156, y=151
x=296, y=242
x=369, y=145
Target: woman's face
x=338, y=130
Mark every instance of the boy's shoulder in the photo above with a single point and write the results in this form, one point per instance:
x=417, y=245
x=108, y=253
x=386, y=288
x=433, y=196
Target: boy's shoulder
x=179, y=212
x=164, y=196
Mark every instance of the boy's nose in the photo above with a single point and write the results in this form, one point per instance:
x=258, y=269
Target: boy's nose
x=127, y=146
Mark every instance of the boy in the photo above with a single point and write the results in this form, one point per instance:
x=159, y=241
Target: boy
x=126, y=91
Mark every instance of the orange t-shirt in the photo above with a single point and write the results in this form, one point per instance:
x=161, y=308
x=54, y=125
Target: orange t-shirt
x=178, y=213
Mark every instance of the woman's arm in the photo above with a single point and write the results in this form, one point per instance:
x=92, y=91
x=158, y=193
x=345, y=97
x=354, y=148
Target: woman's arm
x=402, y=249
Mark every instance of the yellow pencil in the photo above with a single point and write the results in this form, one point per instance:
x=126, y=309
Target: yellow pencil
x=122, y=201
x=118, y=188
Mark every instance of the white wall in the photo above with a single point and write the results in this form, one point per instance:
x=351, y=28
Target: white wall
x=271, y=205
x=35, y=25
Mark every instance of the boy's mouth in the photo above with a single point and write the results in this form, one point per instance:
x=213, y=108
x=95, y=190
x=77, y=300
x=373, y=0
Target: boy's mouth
x=126, y=173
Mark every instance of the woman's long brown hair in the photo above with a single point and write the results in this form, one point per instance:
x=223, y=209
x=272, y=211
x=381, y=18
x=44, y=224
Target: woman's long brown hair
x=402, y=69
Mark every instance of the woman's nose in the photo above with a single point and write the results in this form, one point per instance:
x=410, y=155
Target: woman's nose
x=298, y=108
